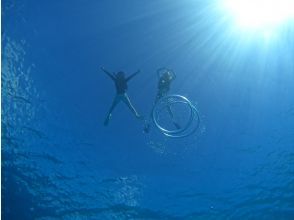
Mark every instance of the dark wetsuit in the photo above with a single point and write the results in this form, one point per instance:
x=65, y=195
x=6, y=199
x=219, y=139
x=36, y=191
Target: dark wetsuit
x=121, y=85
x=163, y=88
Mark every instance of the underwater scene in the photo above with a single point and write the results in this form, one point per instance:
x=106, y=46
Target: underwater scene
x=147, y=110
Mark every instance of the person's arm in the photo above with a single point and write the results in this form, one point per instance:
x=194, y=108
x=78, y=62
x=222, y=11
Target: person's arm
x=108, y=73
x=174, y=76
x=158, y=72
x=131, y=76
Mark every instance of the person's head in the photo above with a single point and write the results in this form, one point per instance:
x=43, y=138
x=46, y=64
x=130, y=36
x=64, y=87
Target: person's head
x=120, y=75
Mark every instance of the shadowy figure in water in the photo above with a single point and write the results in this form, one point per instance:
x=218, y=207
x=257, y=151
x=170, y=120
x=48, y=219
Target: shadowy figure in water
x=165, y=78
x=121, y=85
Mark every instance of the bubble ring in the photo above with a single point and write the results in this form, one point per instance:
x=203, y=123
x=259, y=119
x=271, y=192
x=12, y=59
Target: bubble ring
x=189, y=128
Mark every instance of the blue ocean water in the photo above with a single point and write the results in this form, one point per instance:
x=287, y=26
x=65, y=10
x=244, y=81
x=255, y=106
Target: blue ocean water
x=60, y=162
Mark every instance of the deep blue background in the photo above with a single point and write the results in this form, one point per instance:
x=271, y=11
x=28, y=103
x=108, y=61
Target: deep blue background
x=60, y=162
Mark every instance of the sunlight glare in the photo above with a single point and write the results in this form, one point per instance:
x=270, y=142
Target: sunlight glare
x=260, y=14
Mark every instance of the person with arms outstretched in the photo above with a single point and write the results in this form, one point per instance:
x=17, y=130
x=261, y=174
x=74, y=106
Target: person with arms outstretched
x=121, y=85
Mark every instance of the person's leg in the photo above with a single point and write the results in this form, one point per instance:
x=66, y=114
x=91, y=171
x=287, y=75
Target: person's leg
x=172, y=117
x=127, y=101
x=159, y=95
x=116, y=100
x=171, y=114
x=169, y=110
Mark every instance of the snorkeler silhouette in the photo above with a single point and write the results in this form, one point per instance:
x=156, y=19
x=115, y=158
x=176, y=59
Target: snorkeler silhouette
x=165, y=77
x=121, y=92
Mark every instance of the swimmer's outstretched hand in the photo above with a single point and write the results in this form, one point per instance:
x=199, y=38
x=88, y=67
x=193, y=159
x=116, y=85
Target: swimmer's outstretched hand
x=108, y=73
x=103, y=69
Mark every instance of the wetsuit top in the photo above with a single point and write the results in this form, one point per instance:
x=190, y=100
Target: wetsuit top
x=164, y=84
x=121, y=85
